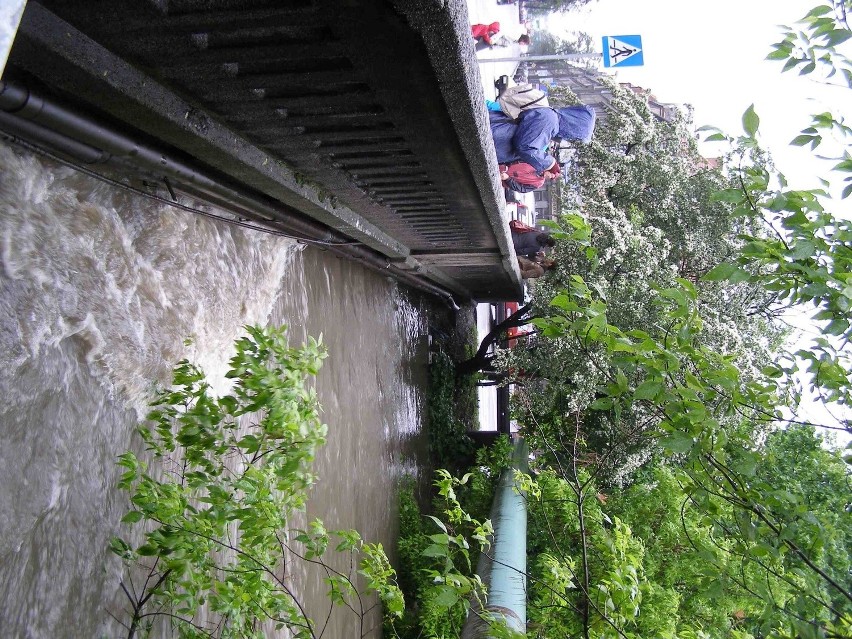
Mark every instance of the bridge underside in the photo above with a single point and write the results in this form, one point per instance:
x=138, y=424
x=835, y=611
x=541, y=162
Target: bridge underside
x=359, y=117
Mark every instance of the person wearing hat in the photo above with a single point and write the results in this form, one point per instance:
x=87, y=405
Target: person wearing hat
x=534, y=268
x=530, y=244
x=483, y=33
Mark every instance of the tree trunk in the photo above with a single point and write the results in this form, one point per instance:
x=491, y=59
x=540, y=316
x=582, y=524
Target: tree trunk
x=482, y=359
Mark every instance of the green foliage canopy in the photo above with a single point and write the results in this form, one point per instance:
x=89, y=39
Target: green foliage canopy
x=660, y=327
x=217, y=500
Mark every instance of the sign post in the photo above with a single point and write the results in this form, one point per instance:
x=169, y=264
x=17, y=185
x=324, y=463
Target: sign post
x=618, y=51
x=623, y=51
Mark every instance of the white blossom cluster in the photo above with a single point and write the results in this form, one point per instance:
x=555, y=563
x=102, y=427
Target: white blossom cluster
x=646, y=195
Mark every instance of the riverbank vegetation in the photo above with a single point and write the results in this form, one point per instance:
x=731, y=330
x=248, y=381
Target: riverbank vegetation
x=451, y=413
x=680, y=489
x=439, y=548
x=442, y=536
x=218, y=506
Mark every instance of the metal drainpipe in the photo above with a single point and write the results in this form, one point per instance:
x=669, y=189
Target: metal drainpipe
x=383, y=266
x=26, y=111
x=504, y=572
x=48, y=124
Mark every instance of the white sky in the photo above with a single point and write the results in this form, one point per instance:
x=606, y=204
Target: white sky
x=712, y=56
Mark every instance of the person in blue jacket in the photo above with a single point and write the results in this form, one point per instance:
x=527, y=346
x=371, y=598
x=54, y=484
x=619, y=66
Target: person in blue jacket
x=527, y=138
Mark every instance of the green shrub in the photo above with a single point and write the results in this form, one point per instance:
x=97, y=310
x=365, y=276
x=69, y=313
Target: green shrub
x=438, y=550
x=448, y=439
x=216, y=501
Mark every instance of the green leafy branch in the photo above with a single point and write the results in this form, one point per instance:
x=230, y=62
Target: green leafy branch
x=216, y=500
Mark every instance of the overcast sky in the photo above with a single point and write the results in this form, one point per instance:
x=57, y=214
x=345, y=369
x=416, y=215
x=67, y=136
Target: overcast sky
x=712, y=56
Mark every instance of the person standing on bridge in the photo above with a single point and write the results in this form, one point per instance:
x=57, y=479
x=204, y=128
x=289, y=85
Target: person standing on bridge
x=534, y=268
x=514, y=33
x=483, y=33
x=529, y=243
x=522, y=177
x=527, y=138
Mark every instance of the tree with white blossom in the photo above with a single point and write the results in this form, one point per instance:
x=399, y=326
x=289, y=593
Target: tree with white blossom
x=679, y=492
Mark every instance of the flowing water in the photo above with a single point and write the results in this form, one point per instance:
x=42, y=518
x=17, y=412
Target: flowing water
x=99, y=289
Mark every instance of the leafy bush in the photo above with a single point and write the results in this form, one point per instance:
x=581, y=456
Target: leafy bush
x=448, y=439
x=217, y=501
x=437, y=562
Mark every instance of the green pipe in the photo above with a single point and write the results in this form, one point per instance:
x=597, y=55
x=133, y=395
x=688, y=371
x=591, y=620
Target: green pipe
x=503, y=569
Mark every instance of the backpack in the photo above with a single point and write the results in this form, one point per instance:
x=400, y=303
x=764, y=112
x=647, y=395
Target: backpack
x=519, y=227
x=521, y=97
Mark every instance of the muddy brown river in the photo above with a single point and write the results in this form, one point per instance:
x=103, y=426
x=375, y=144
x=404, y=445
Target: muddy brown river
x=100, y=290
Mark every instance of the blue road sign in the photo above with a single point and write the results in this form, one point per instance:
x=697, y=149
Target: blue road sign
x=623, y=51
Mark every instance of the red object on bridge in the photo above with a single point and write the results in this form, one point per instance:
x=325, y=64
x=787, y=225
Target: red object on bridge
x=514, y=332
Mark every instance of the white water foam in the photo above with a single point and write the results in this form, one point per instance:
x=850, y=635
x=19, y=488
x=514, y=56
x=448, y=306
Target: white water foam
x=129, y=278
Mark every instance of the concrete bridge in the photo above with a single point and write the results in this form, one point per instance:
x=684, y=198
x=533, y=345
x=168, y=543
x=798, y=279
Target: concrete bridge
x=354, y=123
